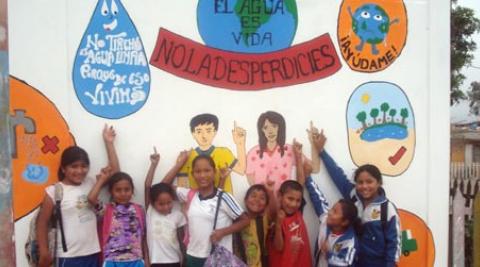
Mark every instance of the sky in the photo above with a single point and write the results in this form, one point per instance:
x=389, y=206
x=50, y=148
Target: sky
x=460, y=112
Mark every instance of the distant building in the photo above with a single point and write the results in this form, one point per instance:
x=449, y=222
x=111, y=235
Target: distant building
x=465, y=142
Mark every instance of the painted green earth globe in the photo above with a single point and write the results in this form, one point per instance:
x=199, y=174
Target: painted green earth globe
x=249, y=26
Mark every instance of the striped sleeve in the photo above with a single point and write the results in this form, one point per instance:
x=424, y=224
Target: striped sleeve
x=393, y=236
x=319, y=202
x=230, y=206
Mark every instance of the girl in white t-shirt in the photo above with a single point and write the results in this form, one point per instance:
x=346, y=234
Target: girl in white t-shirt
x=202, y=204
x=165, y=225
x=78, y=217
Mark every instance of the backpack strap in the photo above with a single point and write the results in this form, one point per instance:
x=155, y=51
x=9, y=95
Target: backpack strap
x=219, y=201
x=384, y=217
x=190, y=196
x=107, y=223
x=58, y=197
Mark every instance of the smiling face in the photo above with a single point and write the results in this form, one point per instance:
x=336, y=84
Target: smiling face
x=203, y=173
x=256, y=202
x=367, y=186
x=270, y=130
x=122, y=192
x=204, y=134
x=291, y=201
x=75, y=173
x=109, y=11
x=164, y=203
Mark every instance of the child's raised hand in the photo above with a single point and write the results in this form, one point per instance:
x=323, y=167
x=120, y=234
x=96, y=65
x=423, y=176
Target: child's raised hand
x=312, y=132
x=319, y=141
x=239, y=134
x=307, y=168
x=269, y=183
x=297, y=148
x=108, y=134
x=155, y=157
x=183, y=157
x=225, y=171
x=104, y=174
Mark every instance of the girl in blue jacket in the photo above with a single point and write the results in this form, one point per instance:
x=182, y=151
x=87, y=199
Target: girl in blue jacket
x=380, y=238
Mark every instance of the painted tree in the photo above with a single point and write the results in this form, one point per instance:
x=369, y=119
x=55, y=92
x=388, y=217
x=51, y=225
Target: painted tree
x=362, y=117
x=404, y=114
x=384, y=108
x=374, y=114
x=392, y=114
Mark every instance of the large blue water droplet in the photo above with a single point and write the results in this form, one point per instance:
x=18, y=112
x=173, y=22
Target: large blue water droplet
x=110, y=73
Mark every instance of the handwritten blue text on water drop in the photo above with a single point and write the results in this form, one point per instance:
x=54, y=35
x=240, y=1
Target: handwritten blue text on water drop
x=110, y=73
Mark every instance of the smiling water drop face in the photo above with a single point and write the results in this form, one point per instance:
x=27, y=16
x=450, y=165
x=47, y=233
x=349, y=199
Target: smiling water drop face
x=110, y=74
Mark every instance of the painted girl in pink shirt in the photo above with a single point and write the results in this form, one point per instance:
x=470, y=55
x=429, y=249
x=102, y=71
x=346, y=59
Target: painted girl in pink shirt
x=272, y=159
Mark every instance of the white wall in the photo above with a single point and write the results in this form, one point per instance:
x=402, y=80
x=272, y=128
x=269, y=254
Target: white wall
x=44, y=36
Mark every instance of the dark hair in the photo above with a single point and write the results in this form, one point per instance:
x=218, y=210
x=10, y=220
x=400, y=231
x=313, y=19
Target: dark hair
x=274, y=118
x=205, y=157
x=257, y=187
x=117, y=177
x=350, y=213
x=290, y=185
x=69, y=156
x=161, y=188
x=371, y=169
x=203, y=119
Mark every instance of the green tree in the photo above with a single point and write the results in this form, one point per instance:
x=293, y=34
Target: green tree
x=474, y=97
x=463, y=25
x=404, y=114
x=362, y=117
x=374, y=114
x=392, y=114
x=384, y=108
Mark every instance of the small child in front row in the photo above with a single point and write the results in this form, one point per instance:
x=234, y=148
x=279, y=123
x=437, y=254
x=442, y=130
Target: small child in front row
x=123, y=225
x=290, y=246
x=261, y=208
x=337, y=241
x=165, y=226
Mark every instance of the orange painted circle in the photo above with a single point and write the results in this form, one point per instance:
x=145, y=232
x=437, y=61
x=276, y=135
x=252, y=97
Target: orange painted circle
x=37, y=152
x=389, y=49
x=419, y=233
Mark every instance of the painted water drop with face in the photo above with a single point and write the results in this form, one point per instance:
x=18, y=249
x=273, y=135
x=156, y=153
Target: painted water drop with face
x=111, y=76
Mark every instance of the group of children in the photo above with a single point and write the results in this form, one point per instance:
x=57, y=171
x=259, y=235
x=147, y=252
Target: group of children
x=362, y=229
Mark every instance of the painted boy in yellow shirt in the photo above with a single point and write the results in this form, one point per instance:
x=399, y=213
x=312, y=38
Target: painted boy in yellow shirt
x=204, y=128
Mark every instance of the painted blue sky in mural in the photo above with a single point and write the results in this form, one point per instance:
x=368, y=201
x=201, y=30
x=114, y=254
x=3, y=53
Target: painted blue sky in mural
x=111, y=76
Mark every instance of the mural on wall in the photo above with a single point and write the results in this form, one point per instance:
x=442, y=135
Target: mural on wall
x=247, y=47
x=380, y=118
x=371, y=34
x=273, y=159
x=38, y=135
x=204, y=128
x=111, y=75
x=418, y=247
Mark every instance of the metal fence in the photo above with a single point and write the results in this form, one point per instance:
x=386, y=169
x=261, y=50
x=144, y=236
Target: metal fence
x=464, y=215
